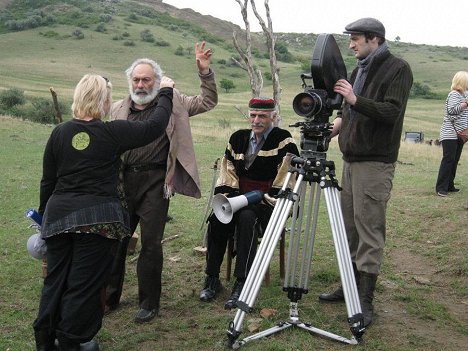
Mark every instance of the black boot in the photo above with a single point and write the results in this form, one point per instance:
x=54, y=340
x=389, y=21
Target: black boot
x=211, y=289
x=89, y=346
x=236, y=291
x=44, y=340
x=67, y=345
x=76, y=346
x=366, y=296
x=338, y=295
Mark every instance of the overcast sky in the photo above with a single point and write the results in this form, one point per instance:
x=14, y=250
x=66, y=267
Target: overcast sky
x=432, y=22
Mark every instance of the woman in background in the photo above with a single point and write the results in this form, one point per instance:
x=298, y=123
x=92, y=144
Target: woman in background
x=83, y=218
x=456, y=119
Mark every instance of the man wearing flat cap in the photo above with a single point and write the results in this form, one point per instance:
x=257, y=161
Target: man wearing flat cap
x=255, y=159
x=369, y=124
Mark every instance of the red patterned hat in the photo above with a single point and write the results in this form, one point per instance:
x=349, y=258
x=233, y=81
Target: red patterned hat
x=263, y=104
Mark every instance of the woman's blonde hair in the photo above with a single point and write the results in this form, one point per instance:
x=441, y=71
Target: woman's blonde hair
x=460, y=81
x=92, y=97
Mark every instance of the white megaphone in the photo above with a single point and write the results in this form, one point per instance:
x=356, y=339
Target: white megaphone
x=225, y=207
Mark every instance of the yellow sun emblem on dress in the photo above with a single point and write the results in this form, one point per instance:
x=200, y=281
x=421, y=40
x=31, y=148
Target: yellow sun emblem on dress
x=80, y=141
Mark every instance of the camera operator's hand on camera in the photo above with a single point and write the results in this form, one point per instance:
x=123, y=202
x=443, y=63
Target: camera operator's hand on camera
x=345, y=89
x=166, y=82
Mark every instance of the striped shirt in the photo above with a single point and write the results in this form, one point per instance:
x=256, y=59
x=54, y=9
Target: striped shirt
x=456, y=117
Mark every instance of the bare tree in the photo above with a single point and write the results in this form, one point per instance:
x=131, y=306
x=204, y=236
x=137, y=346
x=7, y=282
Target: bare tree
x=255, y=75
x=270, y=41
x=247, y=64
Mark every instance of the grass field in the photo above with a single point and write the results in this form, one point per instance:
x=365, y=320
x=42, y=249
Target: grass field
x=421, y=294
x=421, y=299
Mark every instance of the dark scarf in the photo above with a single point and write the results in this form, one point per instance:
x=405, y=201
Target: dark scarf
x=363, y=67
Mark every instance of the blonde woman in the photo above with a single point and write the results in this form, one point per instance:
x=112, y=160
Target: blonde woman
x=83, y=219
x=456, y=119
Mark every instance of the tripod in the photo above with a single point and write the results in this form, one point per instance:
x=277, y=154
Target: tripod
x=314, y=171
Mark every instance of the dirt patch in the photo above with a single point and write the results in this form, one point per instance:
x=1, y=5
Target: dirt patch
x=414, y=319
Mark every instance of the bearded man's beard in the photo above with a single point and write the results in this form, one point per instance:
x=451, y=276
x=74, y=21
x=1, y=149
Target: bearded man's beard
x=143, y=99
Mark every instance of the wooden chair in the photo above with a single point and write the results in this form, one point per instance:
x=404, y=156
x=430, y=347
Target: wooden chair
x=230, y=255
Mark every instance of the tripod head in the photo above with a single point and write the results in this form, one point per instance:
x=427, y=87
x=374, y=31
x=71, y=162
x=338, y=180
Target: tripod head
x=318, y=100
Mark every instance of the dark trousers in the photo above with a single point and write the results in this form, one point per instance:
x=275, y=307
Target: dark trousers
x=451, y=152
x=147, y=206
x=72, y=301
x=243, y=224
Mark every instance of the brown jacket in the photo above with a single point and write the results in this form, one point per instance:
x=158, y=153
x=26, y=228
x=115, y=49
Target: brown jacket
x=182, y=172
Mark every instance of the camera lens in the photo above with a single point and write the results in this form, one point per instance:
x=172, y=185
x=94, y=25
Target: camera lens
x=307, y=104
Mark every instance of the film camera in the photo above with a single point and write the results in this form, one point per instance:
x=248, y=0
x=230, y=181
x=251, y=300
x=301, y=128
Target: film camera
x=318, y=101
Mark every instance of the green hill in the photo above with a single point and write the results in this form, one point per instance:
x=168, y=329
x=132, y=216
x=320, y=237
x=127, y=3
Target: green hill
x=41, y=45
x=421, y=295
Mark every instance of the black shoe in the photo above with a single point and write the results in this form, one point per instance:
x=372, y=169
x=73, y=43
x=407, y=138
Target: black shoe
x=236, y=291
x=89, y=346
x=442, y=193
x=144, y=316
x=211, y=289
x=454, y=190
x=74, y=346
x=335, y=296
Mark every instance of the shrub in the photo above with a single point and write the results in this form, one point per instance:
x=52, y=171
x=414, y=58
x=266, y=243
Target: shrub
x=41, y=111
x=227, y=84
x=11, y=97
x=147, y=36
x=34, y=19
x=422, y=90
x=179, y=51
x=129, y=43
x=78, y=34
x=132, y=17
x=162, y=42
x=105, y=17
x=282, y=52
x=101, y=27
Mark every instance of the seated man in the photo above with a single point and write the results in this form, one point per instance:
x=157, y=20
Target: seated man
x=254, y=160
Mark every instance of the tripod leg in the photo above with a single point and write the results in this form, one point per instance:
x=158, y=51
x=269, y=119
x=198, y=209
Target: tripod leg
x=262, y=259
x=343, y=255
x=297, y=278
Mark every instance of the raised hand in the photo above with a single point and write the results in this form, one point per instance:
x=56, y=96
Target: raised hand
x=202, y=57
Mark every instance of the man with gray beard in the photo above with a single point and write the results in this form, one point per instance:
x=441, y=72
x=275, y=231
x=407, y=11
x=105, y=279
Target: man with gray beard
x=152, y=174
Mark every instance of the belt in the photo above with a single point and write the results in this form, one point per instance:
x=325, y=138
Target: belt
x=144, y=167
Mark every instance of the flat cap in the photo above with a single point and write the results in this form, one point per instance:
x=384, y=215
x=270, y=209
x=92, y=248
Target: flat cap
x=263, y=104
x=366, y=25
